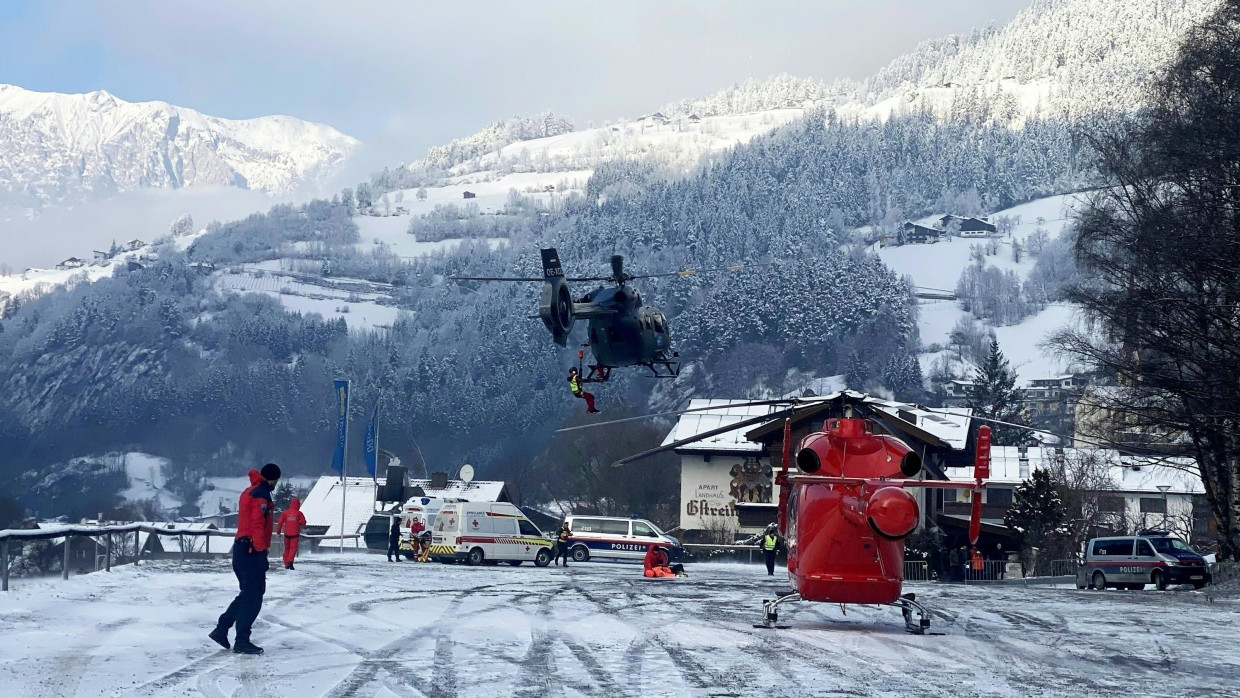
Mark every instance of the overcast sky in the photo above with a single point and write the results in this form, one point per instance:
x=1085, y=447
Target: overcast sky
x=405, y=75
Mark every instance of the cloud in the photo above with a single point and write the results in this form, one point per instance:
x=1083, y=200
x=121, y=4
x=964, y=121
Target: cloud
x=58, y=233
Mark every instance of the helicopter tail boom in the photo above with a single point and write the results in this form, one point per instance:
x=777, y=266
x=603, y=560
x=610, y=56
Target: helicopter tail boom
x=556, y=306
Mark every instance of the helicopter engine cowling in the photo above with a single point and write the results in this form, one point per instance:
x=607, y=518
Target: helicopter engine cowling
x=892, y=513
x=556, y=309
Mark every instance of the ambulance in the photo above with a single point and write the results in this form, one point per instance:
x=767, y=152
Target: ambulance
x=487, y=532
x=420, y=509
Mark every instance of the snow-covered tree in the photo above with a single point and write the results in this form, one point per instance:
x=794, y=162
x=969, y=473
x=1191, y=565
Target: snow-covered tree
x=1038, y=516
x=183, y=225
x=994, y=395
x=364, y=197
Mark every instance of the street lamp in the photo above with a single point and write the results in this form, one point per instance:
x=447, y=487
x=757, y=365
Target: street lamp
x=1163, y=489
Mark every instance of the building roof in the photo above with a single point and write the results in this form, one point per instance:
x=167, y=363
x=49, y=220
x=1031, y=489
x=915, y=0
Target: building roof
x=948, y=424
x=734, y=441
x=322, y=506
x=476, y=491
x=1132, y=474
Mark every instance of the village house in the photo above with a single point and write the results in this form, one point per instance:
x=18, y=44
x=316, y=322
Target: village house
x=956, y=392
x=468, y=195
x=969, y=227
x=916, y=234
x=71, y=263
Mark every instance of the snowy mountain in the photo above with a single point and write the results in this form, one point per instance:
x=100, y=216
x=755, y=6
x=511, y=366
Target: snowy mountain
x=65, y=147
x=1062, y=60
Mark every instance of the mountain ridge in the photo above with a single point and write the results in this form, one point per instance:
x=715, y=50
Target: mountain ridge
x=62, y=148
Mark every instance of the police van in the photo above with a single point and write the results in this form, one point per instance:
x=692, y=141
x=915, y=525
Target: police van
x=1131, y=562
x=487, y=532
x=611, y=537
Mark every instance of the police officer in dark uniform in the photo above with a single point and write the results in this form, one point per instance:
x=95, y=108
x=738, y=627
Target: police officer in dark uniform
x=394, y=539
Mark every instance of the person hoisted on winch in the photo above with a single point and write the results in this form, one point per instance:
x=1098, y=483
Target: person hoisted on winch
x=574, y=384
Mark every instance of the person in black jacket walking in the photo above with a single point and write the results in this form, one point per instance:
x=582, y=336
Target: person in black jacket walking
x=770, y=543
x=394, y=539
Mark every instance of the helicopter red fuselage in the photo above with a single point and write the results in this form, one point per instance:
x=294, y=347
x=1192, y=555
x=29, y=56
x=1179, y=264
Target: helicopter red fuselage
x=846, y=519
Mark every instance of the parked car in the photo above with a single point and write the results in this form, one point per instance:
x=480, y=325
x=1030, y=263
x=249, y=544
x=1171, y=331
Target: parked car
x=485, y=532
x=1131, y=562
x=613, y=537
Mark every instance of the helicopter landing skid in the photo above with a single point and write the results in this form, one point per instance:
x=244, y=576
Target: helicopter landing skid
x=908, y=604
x=664, y=369
x=597, y=374
x=770, y=611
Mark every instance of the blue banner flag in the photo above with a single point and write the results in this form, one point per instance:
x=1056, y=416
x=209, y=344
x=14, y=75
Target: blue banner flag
x=371, y=447
x=342, y=424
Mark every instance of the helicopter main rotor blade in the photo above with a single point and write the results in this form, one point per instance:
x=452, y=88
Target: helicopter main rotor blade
x=496, y=278
x=756, y=403
x=704, y=435
x=761, y=419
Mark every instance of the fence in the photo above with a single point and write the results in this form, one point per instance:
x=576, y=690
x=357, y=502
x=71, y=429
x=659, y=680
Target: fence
x=119, y=534
x=715, y=552
x=916, y=571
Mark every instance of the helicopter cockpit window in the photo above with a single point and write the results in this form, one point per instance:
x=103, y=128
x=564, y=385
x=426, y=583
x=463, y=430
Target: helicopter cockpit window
x=791, y=524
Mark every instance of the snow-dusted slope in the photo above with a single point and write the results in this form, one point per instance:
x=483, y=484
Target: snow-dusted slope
x=56, y=147
x=1060, y=58
x=938, y=267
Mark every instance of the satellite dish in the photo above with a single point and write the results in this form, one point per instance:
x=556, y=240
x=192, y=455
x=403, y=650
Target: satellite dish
x=467, y=473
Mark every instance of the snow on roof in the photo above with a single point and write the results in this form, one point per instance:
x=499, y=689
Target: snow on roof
x=948, y=424
x=1127, y=473
x=734, y=441
x=322, y=505
x=476, y=491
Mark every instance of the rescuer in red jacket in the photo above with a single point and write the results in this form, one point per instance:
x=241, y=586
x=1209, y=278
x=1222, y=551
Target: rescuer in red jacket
x=255, y=514
x=289, y=525
x=655, y=563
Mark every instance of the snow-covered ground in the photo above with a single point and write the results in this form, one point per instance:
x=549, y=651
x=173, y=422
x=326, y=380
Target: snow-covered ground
x=393, y=232
x=356, y=625
x=361, y=310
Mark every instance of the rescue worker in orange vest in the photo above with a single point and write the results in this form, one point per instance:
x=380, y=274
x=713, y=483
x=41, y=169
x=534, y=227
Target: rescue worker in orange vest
x=289, y=526
x=574, y=384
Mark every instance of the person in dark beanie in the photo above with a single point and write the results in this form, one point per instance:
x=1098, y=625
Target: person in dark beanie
x=255, y=513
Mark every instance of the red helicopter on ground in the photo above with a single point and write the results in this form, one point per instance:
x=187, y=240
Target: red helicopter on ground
x=846, y=514
x=845, y=518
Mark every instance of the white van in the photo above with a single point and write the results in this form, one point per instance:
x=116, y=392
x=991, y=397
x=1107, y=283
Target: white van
x=478, y=532
x=625, y=539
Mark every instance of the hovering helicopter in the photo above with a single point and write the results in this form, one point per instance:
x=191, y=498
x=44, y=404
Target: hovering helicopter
x=845, y=516
x=623, y=331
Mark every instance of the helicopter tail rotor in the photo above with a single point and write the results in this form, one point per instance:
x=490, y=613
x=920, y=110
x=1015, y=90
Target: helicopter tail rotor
x=556, y=306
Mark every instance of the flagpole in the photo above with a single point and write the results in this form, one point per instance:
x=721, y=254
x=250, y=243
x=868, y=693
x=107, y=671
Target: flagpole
x=344, y=459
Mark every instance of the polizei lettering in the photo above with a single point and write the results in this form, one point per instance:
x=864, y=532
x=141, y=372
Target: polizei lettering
x=702, y=507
